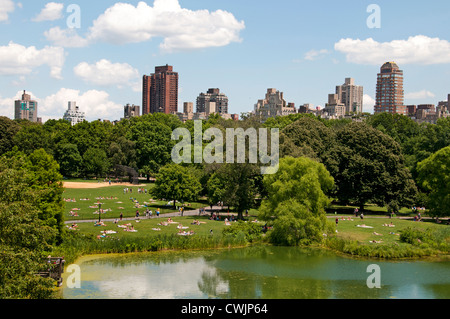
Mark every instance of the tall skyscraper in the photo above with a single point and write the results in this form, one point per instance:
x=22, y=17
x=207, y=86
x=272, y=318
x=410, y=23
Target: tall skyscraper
x=26, y=108
x=160, y=91
x=351, y=96
x=390, y=94
x=212, y=96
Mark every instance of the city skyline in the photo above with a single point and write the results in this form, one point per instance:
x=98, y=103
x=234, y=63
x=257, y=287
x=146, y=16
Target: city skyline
x=243, y=48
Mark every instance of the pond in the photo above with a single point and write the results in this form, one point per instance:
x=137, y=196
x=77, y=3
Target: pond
x=261, y=272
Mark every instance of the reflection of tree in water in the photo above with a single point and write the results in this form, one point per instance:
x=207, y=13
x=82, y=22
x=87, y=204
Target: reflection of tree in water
x=251, y=273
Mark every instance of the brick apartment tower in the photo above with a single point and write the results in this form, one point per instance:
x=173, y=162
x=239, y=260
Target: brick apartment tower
x=390, y=94
x=160, y=91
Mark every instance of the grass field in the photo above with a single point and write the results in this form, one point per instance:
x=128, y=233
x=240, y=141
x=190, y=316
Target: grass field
x=114, y=200
x=379, y=230
x=84, y=202
x=145, y=228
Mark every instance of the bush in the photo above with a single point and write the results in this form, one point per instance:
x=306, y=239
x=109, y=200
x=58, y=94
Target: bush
x=244, y=230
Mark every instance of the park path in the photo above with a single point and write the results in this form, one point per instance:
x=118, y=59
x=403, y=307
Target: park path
x=195, y=212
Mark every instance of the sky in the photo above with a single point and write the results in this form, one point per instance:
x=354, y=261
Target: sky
x=96, y=52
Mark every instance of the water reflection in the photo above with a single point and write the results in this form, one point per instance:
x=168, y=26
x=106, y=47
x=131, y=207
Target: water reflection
x=256, y=272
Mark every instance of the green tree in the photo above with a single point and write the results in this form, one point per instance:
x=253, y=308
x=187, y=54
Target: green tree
x=95, y=162
x=31, y=209
x=307, y=136
x=236, y=185
x=175, y=183
x=153, y=143
x=368, y=166
x=8, y=129
x=32, y=137
x=69, y=159
x=296, y=201
x=434, y=178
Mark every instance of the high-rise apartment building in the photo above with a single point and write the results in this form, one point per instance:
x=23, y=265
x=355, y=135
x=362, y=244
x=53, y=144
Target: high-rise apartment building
x=273, y=105
x=205, y=100
x=73, y=114
x=389, y=93
x=335, y=107
x=26, y=108
x=351, y=96
x=160, y=91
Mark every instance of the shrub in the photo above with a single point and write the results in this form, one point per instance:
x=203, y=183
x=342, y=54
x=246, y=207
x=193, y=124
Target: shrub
x=244, y=230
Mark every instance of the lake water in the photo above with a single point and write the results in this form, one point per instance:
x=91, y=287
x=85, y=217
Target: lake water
x=261, y=272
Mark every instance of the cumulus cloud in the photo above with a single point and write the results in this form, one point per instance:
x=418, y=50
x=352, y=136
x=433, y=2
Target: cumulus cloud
x=16, y=59
x=97, y=104
x=419, y=95
x=418, y=49
x=106, y=73
x=67, y=38
x=52, y=11
x=6, y=7
x=315, y=54
x=180, y=29
x=368, y=104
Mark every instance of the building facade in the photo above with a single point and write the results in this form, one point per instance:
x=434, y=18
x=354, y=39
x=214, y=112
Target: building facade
x=130, y=111
x=273, y=105
x=160, y=91
x=205, y=100
x=351, y=96
x=389, y=91
x=26, y=109
x=334, y=108
x=73, y=114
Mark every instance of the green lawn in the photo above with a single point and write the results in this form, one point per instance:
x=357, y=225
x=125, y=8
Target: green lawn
x=147, y=227
x=348, y=229
x=114, y=201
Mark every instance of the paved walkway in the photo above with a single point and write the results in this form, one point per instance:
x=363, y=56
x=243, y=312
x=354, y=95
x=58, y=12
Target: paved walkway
x=195, y=212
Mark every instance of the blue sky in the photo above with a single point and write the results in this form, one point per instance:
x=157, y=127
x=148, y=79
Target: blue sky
x=302, y=48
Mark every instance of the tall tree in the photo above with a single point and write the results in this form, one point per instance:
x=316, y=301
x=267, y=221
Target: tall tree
x=296, y=201
x=8, y=129
x=176, y=183
x=95, y=162
x=236, y=185
x=368, y=166
x=69, y=159
x=153, y=143
x=434, y=178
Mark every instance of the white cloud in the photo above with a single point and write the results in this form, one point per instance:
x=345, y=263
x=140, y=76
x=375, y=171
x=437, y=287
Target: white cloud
x=368, y=104
x=315, y=54
x=106, y=73
x=419, y=95
x=16, y=59
x=52, y=11
x=180, y=29
x=6, y=7
x=418, y=49
x=67, y=38
x=96, y=104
